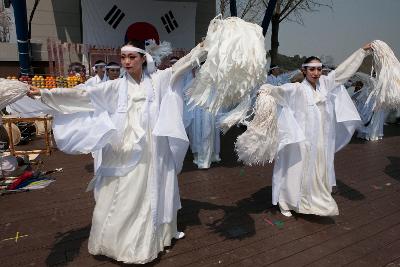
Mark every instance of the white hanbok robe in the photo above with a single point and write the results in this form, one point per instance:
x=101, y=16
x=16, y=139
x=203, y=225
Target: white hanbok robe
x=27, y=107
x=96, y=80
x=373, y=119
x=373, y=129
x=96, y=154
x=139, y=129
x=312, y=126
x=203, y=131
x=282, y=78
x=204, y=138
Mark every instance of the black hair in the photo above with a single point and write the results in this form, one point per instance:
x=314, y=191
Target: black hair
x=309, y=59
x=112, y=63
x=99, y=62
x=76, y=67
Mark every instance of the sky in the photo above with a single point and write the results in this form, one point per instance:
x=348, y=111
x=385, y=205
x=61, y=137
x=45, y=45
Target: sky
x=342, y=30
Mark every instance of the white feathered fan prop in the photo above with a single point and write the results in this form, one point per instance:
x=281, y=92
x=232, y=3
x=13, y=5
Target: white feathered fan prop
x=11, y=91
x=235, y=64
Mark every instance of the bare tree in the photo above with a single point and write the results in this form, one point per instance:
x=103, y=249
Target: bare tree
x=249, y=10
x=292, y=10
x=222, y=7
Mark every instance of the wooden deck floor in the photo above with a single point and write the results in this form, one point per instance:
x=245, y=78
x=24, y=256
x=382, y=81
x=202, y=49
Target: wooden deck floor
x=227, y=215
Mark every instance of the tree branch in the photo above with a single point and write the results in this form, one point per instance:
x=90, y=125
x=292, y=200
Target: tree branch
x=287, y=6
x=290, y=11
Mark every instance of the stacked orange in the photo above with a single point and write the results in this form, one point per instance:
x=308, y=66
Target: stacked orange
x=50, y=82
x=72, y=81
x=38, y=81
x=61, y=82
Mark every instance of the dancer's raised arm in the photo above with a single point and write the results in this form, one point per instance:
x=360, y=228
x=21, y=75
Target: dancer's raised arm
x=350, y=66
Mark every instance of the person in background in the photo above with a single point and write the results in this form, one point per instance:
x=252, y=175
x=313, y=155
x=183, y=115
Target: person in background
x=77, y=68
x=276, y=77
x=99, y=68
x=113, y=70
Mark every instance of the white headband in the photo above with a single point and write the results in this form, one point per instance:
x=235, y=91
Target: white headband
x=99, y=65
x=315, y=64
x=130, y=48
x=275, y=67
x=112, y=67
x=151, y=67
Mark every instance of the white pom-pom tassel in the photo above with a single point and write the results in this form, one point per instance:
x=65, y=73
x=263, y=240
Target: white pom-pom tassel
x=387, y=67
x=11, y=91
x=258, y=144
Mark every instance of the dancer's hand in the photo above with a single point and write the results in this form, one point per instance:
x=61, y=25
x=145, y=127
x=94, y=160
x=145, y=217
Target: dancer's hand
x=33, y=91
x=367, y=47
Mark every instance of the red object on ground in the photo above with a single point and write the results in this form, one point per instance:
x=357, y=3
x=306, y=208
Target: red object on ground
x=23, y=177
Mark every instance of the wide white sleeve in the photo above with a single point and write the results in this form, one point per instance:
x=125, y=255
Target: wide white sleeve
x=286, y=77
x=188, y=62
x=281, y=93
x=346, y=69
x=350, y=66
x=67, y=100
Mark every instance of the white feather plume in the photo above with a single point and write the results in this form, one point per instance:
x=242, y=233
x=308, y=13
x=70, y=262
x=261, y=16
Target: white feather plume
x=235, y=64
x=258, y=144
x=158, y=52
x=387, y=67
x=11, y=91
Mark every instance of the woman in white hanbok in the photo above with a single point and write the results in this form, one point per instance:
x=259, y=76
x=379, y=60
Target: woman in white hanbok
x=372, y=118
x=315, y=120
x=136, y=123
x=204, y=138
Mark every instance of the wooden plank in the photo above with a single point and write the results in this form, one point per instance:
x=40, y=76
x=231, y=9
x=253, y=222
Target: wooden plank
x=223, y=215
x=386, y=256
x=361, y=248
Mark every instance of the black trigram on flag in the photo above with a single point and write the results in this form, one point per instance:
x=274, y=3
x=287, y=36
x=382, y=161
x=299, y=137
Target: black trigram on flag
x=169, y=22
x=114, y=16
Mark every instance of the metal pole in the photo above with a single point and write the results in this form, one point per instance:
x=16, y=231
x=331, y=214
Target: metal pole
x=21, y=27
x=232, y=7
